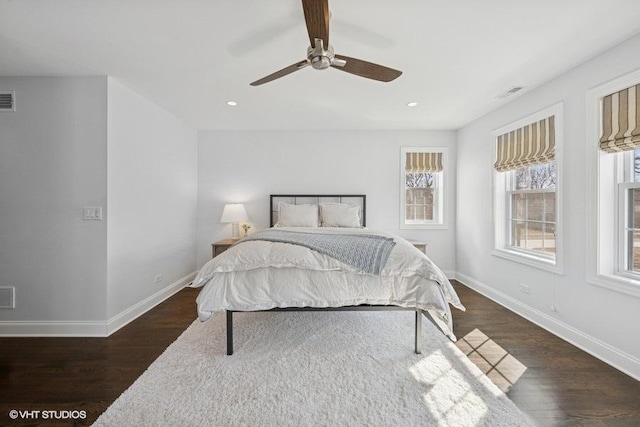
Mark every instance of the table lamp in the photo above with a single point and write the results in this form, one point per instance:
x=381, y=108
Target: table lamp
x=234, y=213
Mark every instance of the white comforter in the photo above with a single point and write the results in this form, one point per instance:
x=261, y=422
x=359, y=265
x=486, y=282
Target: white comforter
x=260, y=275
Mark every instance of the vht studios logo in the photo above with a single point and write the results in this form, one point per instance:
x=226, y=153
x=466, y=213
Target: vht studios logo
x=47, y=415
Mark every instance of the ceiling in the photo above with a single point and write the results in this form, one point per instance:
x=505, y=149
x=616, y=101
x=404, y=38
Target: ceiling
x=192, y=56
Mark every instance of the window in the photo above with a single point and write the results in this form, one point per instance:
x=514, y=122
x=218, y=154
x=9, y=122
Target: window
x=629, y=207
x=422, y=187
x=531, y=195
x=421, y=197
x=614, y=203
x=526, y=191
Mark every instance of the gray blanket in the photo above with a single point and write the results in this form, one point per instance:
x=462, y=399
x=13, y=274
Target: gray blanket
x=365, y=252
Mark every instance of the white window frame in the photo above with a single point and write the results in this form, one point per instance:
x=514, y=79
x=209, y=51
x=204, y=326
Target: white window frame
x=606, y=201
x=439, y=199
x=501, y=204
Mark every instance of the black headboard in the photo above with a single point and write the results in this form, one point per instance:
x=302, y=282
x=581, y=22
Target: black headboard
x=299, y=199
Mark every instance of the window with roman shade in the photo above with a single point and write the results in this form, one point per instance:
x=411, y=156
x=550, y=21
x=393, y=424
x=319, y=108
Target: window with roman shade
x=621, y=120
x=613, y=199
x=526, y=203
x=422, y=178
x=621, y=137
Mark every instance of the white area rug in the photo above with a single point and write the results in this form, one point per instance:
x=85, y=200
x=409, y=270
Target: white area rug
x=310, y=368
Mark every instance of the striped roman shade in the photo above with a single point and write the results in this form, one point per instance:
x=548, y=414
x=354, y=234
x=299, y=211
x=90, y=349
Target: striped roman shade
x=529, y=145
x=621, y=120
x=423, y=163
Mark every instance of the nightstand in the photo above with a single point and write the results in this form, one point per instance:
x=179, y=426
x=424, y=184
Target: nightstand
x=220, y=246
x=419, y=245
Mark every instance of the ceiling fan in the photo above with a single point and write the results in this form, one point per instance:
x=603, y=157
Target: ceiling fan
x=320, y=54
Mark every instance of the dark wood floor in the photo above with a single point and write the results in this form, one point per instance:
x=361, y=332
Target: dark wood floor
x=561, y=384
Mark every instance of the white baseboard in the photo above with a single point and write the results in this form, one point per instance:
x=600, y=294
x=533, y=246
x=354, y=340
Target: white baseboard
x=620, y=360
x=91, y=328
x=132, y=313
x=27, y=328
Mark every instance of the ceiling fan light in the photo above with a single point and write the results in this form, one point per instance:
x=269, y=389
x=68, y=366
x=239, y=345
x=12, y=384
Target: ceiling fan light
x=232, y=103
x=412, y=104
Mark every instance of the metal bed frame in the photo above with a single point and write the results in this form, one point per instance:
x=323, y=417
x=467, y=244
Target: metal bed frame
x=356, y=199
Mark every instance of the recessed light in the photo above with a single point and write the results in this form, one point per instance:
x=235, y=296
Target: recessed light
x=412, y=104
x=232, y=103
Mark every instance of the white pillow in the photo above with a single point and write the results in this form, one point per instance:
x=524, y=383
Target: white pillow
x=339, y=215
x=297, y=215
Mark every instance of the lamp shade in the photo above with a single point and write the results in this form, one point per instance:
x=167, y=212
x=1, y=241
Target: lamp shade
x=234, y=212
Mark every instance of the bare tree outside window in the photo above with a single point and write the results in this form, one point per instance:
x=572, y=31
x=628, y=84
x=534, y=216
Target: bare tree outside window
x=536, y=177
x=419, y=196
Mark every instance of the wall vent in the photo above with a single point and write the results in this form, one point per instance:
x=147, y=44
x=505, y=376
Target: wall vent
x=7, y=101
x=7, y=297
x=510, y=92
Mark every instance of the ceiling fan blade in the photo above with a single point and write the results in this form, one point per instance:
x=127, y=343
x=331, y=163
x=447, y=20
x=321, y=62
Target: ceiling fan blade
x=287, y=70
x=316, y=15
x=367, y=69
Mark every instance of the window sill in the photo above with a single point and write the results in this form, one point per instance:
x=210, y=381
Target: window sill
x=530, y=260
x=622, y=284
x=433, y=226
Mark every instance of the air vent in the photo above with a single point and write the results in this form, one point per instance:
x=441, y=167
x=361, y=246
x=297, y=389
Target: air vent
x=7, y=297
x=7, y=101
x=510, y=92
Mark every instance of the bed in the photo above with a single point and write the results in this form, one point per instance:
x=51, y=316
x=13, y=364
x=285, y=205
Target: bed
x=319, y=255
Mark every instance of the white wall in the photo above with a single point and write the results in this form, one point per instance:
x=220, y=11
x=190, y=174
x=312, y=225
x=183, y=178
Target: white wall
x=599, y=320
x=246, y=167
x=152, y=179
x=53, y=153
x=89, y=141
